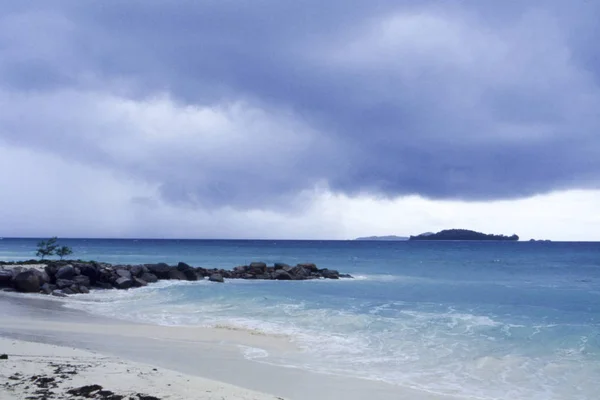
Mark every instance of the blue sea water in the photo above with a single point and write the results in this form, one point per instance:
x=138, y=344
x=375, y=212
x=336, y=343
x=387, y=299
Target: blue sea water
x=476, y=320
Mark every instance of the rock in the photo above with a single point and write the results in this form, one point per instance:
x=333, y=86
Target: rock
x=47, y=288
x=282, y=275
x=3, y=357
x=177, y=275
x=9, y=290
x=330, y=274
x=216, y=278
x=183, y=266
x=190, y=275
x=280, y=266
x=64, y=283
x=160, y=270
x=309, y=266
x=85, y=391
x=27, y=282
x=123, y=283
x=137, y=270
x=123, y=273
x=82, y=280
x=67, y=290
x=104, y=285
x=65, y=272
x=148, y=277
x=346, y=276
x=299, y=272
x=89, y=271
x=138, y=282
x=59, y=293
x=84, y=289
x=6, y=278
x=74, y=289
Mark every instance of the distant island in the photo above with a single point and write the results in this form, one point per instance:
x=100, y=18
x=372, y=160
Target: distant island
x=462, y=234
x=389, y=237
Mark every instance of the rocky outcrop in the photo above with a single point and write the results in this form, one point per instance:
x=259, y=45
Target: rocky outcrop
x=62, y=278
x=27, y=282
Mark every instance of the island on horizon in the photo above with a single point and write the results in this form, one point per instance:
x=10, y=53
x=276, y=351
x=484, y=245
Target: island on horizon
x=388, y=237
x=463, y=234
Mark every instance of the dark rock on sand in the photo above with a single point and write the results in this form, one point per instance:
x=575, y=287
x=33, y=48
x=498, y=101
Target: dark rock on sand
x=282, y=275
x=123, y=283
x=3, y=357
x=64, y=283
x=85, y=391
x=66, y=272
x=137, y=270
x=89, y=271
x=216, y=278
x=175, y=274
x=160, y=270
x=138, y=282
x=281, y=266
x=123, y=273
x=47, y=288
x=82, y=280
x=5, y=278
x=148, y=277
x=330, y=274
x=27, y=282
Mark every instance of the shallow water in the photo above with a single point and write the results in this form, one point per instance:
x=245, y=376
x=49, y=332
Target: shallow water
x=475, y=320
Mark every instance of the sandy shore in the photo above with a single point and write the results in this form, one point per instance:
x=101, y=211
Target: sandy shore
x=204, y=356
x=44, y=372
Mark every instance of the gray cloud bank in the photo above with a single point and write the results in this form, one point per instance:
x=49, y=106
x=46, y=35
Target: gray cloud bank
x=254, y=105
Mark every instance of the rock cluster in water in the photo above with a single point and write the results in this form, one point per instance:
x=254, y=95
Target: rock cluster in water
x=62, y=278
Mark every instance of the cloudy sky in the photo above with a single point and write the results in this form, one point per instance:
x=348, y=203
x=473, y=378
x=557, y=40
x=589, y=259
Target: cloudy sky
x=299, y=119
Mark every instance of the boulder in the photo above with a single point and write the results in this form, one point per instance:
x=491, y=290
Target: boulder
x=138, y=282
x=216, y=278
x=330, y=274
x=123, y=273
x=160, y=270
x=148, y=277
x=280, y=266
x=309, y=266
x=299, y=272
x=190, y=275
x=103, y=285
x=59, y=293
x=64, y=283
x=67, y=291
x=177, y=275
x=137, y=270
x=65, y=272
x=346, y=276
x=27, y=282
x=82, y=280
x=282, y=275
x=84, y=289
x=6, y=278
x=74, y=288
x=183, y=266
x=123, y=283
x=90, y=271
x=47, y=288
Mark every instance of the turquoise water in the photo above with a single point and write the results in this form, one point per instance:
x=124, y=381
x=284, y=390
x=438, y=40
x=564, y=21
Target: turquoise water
x=474, y=320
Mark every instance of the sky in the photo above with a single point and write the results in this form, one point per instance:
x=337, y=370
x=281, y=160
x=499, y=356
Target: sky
x=299, y=120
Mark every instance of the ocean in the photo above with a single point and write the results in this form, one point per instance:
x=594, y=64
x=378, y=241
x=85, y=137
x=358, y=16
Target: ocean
x=474, y=320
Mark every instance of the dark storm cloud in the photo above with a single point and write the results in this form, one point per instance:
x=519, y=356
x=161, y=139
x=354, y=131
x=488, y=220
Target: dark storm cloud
x=470, y=100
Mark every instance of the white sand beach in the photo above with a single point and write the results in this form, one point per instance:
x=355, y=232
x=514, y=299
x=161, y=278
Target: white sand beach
x=38, y=333
x=43, y=371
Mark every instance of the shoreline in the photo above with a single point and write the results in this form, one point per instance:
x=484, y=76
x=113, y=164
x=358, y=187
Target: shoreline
x=43, y=372
x=210, y=353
